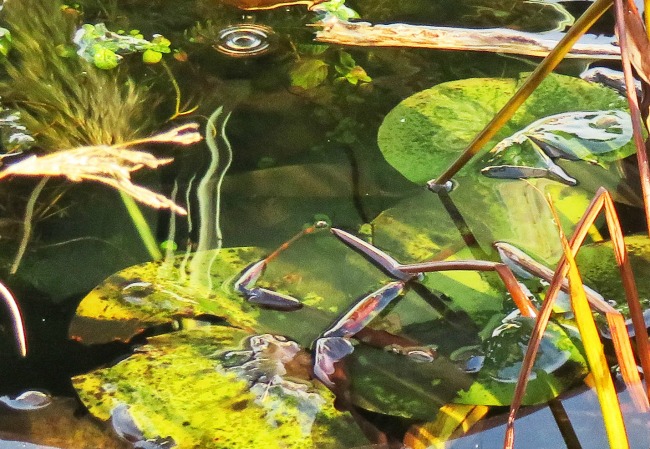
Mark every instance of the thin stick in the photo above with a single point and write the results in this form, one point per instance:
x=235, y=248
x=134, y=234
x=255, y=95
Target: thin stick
x=629, y=286
x=520, y=299
x=615, y=320
x=543, y=69
x=609, y=404
x=646, y=7
x=580, y=233
x=499, y=40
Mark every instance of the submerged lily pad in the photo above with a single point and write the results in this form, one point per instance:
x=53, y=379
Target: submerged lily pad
x=427, y=131
x=593, y=136
x=156, y=293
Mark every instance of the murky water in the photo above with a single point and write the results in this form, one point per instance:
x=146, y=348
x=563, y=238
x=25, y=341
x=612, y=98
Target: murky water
x=296, y=142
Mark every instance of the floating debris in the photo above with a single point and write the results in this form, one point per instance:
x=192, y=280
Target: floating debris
x=109, y=164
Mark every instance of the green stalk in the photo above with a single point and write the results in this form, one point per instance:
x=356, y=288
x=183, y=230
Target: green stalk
x=141, y=225
x=590, y=16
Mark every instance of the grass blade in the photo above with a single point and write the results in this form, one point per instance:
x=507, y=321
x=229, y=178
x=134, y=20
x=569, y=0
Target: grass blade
x=611, y=410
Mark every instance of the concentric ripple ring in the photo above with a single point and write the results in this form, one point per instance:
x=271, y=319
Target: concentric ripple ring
x=245, y=40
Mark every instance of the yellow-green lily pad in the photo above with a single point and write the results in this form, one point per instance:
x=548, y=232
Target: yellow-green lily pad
x=182, y=387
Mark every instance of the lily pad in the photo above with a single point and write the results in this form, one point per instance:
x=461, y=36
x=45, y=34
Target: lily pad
x=447, y=310
x=180, y=387
x=427, y=131
x=479, y=350
x=317, y=269
x=156, y=293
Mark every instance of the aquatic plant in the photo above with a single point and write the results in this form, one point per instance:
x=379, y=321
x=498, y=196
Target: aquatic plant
x=104, y=48
x=64, y=101
x=108, y=164
x=216, y=358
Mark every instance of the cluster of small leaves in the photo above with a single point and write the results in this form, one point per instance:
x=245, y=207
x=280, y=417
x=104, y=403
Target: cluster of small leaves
x=202, y=33
x=350, y=71
x=337, y=9
x=104, y=48
x=309, y=73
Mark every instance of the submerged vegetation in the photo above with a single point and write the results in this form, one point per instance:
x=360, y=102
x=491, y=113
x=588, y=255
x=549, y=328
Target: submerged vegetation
x=62, y=100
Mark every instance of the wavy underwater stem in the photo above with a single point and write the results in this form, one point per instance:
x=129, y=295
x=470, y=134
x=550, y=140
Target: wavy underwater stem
x=590, y=16
x=27, y=224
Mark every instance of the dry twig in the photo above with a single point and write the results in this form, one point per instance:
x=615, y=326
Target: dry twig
x=109, y=164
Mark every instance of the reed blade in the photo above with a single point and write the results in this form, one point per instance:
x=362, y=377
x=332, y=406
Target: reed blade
x=634, y=51
x=590, y=16
x=610, y=407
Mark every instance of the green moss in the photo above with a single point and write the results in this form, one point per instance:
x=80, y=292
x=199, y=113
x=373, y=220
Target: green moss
x=175, y=387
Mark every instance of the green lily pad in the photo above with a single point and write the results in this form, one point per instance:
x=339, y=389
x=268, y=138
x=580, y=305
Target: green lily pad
x=479, y=350
x=328, y=278
x=183, y=387
x=156, y=293
x=427, y=131
x=317, y=269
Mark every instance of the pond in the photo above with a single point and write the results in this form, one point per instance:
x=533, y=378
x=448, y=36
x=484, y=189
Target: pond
x=296, y=133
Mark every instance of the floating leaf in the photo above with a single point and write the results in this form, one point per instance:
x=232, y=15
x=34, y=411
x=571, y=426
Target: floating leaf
x=328, y=278
x=105, y=59
x=309, y=73
x=427, y=131
x=196, y=388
